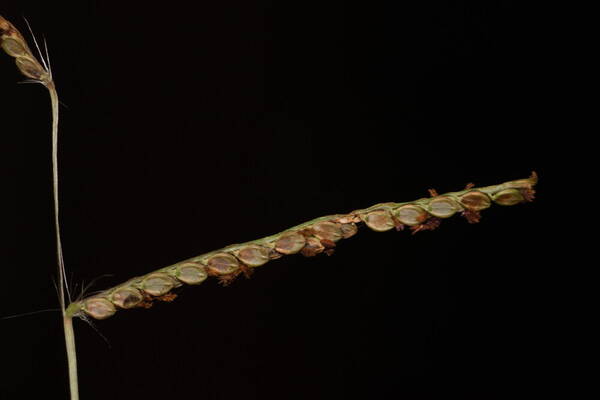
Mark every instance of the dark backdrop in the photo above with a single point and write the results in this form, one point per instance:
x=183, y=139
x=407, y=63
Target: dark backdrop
x=190, y=126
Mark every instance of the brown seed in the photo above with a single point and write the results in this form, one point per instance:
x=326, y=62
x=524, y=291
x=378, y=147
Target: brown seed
x=313, y=247
x=223, y=264
x=379, y=221
x=5, y=26
x=191, y=273
x=99, y=308
x=290, y=243
x=253, y=255
x=157, y=284
x=328, y=244
x=443, y=207
x=508, y=197
x=411, y=215
x=475, y=200
x=127, y=297
x=349, y=230
x=327, y=230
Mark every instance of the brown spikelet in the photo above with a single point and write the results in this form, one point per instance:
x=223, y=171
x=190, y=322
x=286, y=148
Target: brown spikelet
x=349, y=230
x=469, y=185
x=13, y=43
x=307, y=232
x=4, y=26
x=289, y=243
x=329, y=246
x=312, y=248
x=432, y=192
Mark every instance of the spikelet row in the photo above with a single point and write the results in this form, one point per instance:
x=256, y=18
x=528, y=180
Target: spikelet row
x=309, y=239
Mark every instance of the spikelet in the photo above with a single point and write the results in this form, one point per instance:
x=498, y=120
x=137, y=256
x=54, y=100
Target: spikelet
x=13, y=43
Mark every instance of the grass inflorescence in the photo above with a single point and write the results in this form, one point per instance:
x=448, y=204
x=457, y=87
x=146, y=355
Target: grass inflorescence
x=311, y=238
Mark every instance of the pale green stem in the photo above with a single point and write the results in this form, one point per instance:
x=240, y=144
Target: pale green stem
x=71, y=356
x=67, y=320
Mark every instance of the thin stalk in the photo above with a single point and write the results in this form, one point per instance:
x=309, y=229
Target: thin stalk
x=15, y=45
x=71, y=356
x=59, y=252
x=67, y=320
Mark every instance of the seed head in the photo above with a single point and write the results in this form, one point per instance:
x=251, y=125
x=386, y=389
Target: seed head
x=15, y=46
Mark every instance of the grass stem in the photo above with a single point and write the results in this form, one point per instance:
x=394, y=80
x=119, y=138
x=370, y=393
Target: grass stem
x=15, y=45
x=71, y=357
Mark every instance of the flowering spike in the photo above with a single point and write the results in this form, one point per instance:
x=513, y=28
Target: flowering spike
x=320, y=235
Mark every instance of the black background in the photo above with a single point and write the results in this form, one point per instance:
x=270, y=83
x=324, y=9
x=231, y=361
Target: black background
x=190, y=126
